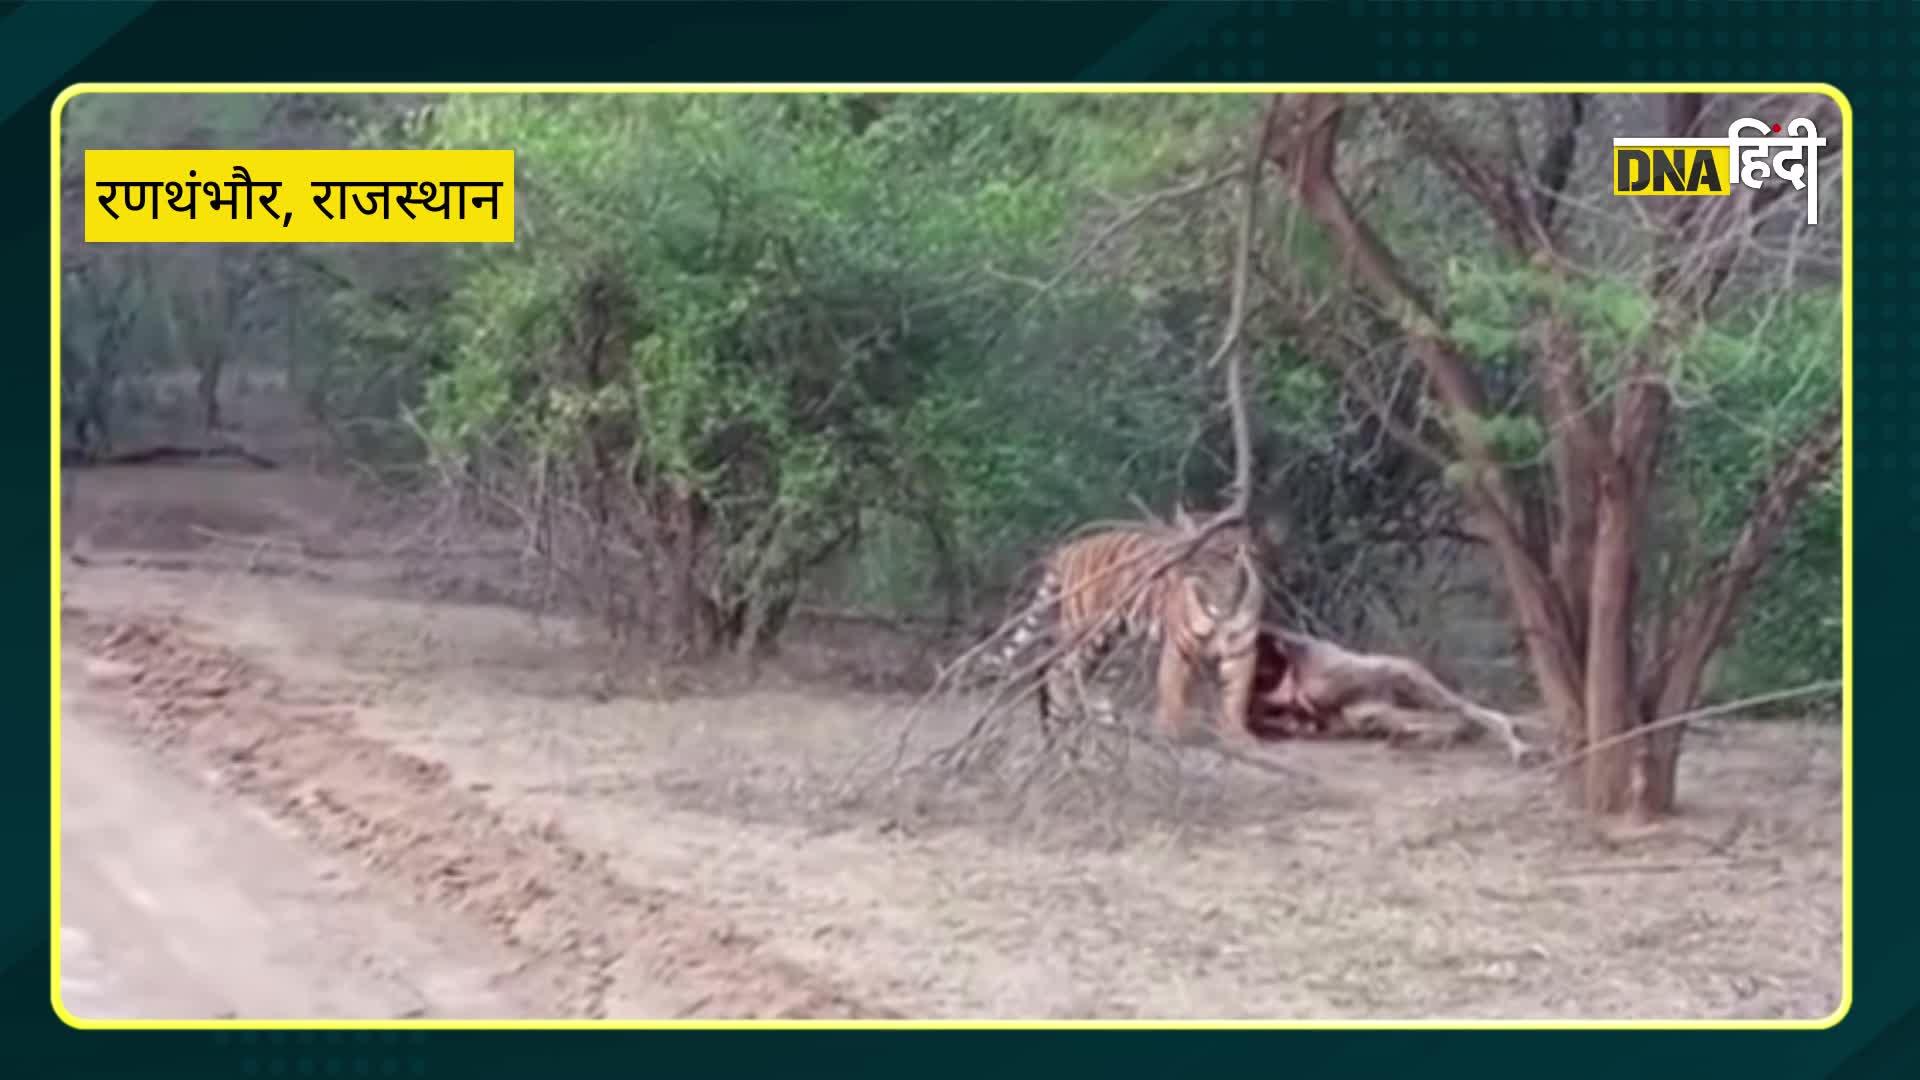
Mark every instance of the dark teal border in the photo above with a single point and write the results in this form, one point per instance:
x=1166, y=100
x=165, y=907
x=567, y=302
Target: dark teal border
x=1866, y=49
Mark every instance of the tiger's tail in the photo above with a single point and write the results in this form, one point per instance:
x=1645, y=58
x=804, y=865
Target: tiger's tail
x=1035, y=626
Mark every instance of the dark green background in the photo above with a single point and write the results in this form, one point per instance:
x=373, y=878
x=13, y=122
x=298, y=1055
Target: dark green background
x=1868, y=50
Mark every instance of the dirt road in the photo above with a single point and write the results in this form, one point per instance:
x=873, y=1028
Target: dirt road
x=178, y=904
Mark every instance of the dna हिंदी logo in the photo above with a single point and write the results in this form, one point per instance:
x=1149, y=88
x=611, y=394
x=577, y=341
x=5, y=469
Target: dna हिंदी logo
x=1751, y=154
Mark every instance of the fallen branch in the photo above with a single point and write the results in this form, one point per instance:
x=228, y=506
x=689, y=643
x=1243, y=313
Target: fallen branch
x=1664, y=867
x=1553, y=766
x=167, y=452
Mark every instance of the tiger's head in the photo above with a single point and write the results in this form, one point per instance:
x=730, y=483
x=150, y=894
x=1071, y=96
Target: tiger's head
x=1222, y=608
x=1225, y=595
x=1224, y=590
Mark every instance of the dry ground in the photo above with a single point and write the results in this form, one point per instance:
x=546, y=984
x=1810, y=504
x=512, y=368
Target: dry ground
x=663, y=850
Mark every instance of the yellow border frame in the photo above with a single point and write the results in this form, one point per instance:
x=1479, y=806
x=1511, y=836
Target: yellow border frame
x=1833, y=93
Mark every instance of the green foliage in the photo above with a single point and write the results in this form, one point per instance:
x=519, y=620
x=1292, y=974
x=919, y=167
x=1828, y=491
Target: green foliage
x=800, y=321
x=105, y=316
x=889, y=345
x=1749, y=384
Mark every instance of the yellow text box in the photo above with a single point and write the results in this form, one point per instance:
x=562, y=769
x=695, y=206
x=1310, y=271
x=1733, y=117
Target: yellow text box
x=299, y=196
x=1667, y=169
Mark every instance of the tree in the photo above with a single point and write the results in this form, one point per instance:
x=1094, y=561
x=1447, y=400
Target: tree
x=732, y=332
x=1606, y=353
x=198, y=308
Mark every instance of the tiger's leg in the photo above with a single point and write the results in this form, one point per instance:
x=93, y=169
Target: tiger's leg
x=1235, y=650
x=1067, y=682
x=1060, y=696
x=1236, y=695
x=1039, y=623
x=1099, y=706
x=1045, y=695
x=1081, y=692
x=1063, y=693
x=1176, y=674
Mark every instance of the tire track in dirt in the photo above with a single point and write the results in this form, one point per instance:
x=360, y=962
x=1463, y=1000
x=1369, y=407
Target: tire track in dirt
x=595, y=945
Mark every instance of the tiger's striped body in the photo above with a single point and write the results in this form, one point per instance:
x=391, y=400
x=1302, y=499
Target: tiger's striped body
x=1203, y=611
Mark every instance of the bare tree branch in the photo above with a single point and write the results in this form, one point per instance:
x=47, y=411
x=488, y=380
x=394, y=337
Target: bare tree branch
x=1556, y=164
x=1488, y=182
x=1232, y=346
x=1701, y=624
x=1521, y=206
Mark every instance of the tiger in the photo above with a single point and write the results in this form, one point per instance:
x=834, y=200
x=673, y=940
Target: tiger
x=1202, y=611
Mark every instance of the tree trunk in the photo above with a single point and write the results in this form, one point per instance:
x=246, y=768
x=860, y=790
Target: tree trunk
x=948, y=578
x=765, y=616
x=692, y=623
x=1659, y=772
x=1610, y=698
x=210, y=371
x=1564, y=389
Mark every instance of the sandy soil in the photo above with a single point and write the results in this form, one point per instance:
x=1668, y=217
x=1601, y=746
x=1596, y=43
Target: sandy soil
x=461, y=768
